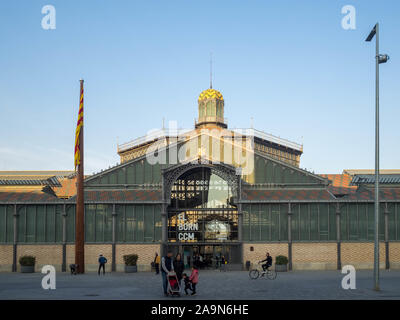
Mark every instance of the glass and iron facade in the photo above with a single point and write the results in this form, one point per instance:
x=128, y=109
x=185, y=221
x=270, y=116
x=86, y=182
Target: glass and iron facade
x=202, y=205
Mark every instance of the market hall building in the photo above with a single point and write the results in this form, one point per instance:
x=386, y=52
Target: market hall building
x=208, y=190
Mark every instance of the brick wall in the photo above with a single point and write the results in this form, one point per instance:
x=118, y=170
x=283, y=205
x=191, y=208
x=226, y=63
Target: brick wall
x=70, y=254
x=305, y=255
x=314, y=256
x=260, y=250
x=361, y=255
x=45, y=254
x=146, y=253
x=394, y=255
x=6, y=257
x=92, y=252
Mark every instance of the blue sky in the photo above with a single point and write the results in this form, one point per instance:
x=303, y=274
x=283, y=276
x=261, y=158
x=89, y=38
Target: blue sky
x=288, y=64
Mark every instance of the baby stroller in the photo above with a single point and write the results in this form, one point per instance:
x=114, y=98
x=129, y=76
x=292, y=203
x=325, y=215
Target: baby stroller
x=173, y=284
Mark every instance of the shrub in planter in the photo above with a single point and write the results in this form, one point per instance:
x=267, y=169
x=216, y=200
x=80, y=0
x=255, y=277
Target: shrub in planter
x=27, y=264
x=281, y=263
x=130, y=263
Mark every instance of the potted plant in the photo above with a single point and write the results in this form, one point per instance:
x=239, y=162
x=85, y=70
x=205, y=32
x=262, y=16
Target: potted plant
x=130, y=263
x=281, y=263
x=27, y=264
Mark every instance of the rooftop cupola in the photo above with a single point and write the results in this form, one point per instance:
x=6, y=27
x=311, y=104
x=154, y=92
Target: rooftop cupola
x=211, y=109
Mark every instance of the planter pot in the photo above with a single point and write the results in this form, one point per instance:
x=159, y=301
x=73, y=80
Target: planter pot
x=280, y=267
x=130, y=269
x=27, y=269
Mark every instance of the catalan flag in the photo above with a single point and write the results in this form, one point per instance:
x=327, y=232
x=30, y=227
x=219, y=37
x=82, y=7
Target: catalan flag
x=78, y=131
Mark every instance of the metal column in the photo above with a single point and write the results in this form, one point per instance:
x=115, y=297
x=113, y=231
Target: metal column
x=114, y=238
x=64, y=239
x=15, y=221
x=290, y=236
x=338, y=237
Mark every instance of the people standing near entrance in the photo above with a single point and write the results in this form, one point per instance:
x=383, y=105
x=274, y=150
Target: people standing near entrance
x=179, y=267
x=102, y=264
x=196, y=260
x=268, y=262
x=201, y=261
x=223, y=263
x=157, y=260
x=194, y=279
x=166, y=266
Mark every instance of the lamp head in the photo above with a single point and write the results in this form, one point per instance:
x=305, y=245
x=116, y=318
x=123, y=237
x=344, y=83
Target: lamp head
x=383, y=58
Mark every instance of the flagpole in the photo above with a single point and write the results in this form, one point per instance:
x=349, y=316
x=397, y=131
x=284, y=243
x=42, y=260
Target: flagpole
x=80, y=209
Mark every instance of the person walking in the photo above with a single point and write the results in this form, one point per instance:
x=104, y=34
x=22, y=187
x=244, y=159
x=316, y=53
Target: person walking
x=102, y=264
x=157, y=260
x=166, y=267
x=194, y=279
x=179, y=267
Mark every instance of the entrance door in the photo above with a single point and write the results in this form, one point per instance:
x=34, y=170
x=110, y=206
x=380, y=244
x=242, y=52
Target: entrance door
x=187, y=256
x=210, y=254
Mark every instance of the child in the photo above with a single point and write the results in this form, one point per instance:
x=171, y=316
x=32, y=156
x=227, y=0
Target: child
x=187, y=283
x=194, y=278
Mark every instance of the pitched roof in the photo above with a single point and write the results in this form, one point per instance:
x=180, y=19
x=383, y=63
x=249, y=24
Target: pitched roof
x=339, y=180
x=353, y=172
x=52, y=181
x=306, y=194
x=121, y=195
x=370, y=179
x=67, y=188
x=34, y=175
x=27, y=197
x=330, y=193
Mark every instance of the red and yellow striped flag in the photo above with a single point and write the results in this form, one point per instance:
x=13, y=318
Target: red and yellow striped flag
x=79, y=126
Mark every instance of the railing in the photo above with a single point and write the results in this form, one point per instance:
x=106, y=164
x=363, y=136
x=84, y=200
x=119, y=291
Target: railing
x=152, y=135
x=269, y=137
x=173, y=132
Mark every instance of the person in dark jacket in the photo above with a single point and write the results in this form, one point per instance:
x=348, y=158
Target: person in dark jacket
x=167, y=265
x=179, y=267
x=268, y=262
x=187, y=282
x=102, y=264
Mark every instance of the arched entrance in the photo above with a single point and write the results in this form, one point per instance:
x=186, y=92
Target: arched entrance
x=202, y=214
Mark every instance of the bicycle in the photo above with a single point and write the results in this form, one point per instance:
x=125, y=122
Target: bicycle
x=266, y=274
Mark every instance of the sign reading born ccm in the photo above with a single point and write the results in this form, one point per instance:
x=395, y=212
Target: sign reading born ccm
x=184, y=227
x=207, y=145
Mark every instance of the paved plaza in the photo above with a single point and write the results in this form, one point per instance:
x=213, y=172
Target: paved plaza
x=213, y=285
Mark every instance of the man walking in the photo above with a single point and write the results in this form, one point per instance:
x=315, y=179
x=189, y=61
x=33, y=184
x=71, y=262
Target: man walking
x=166, y=266
x=102, y=264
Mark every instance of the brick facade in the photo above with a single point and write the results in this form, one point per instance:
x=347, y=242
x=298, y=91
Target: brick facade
x=314, y=256
x=305, y=256
x=394, y=255
x=6, y=257
x=361, y=255
x=146, y=253
x=45, y=254
x=260, y=250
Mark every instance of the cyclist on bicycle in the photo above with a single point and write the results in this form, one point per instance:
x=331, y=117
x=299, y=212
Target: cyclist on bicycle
x=268, y=261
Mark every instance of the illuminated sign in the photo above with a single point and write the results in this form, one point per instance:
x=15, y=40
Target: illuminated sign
x=184, y=228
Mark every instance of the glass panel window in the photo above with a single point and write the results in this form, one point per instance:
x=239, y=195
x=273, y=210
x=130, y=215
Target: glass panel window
x=202, y=208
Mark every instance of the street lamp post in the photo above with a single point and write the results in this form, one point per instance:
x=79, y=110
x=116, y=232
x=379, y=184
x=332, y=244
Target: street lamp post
x=378, y=59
